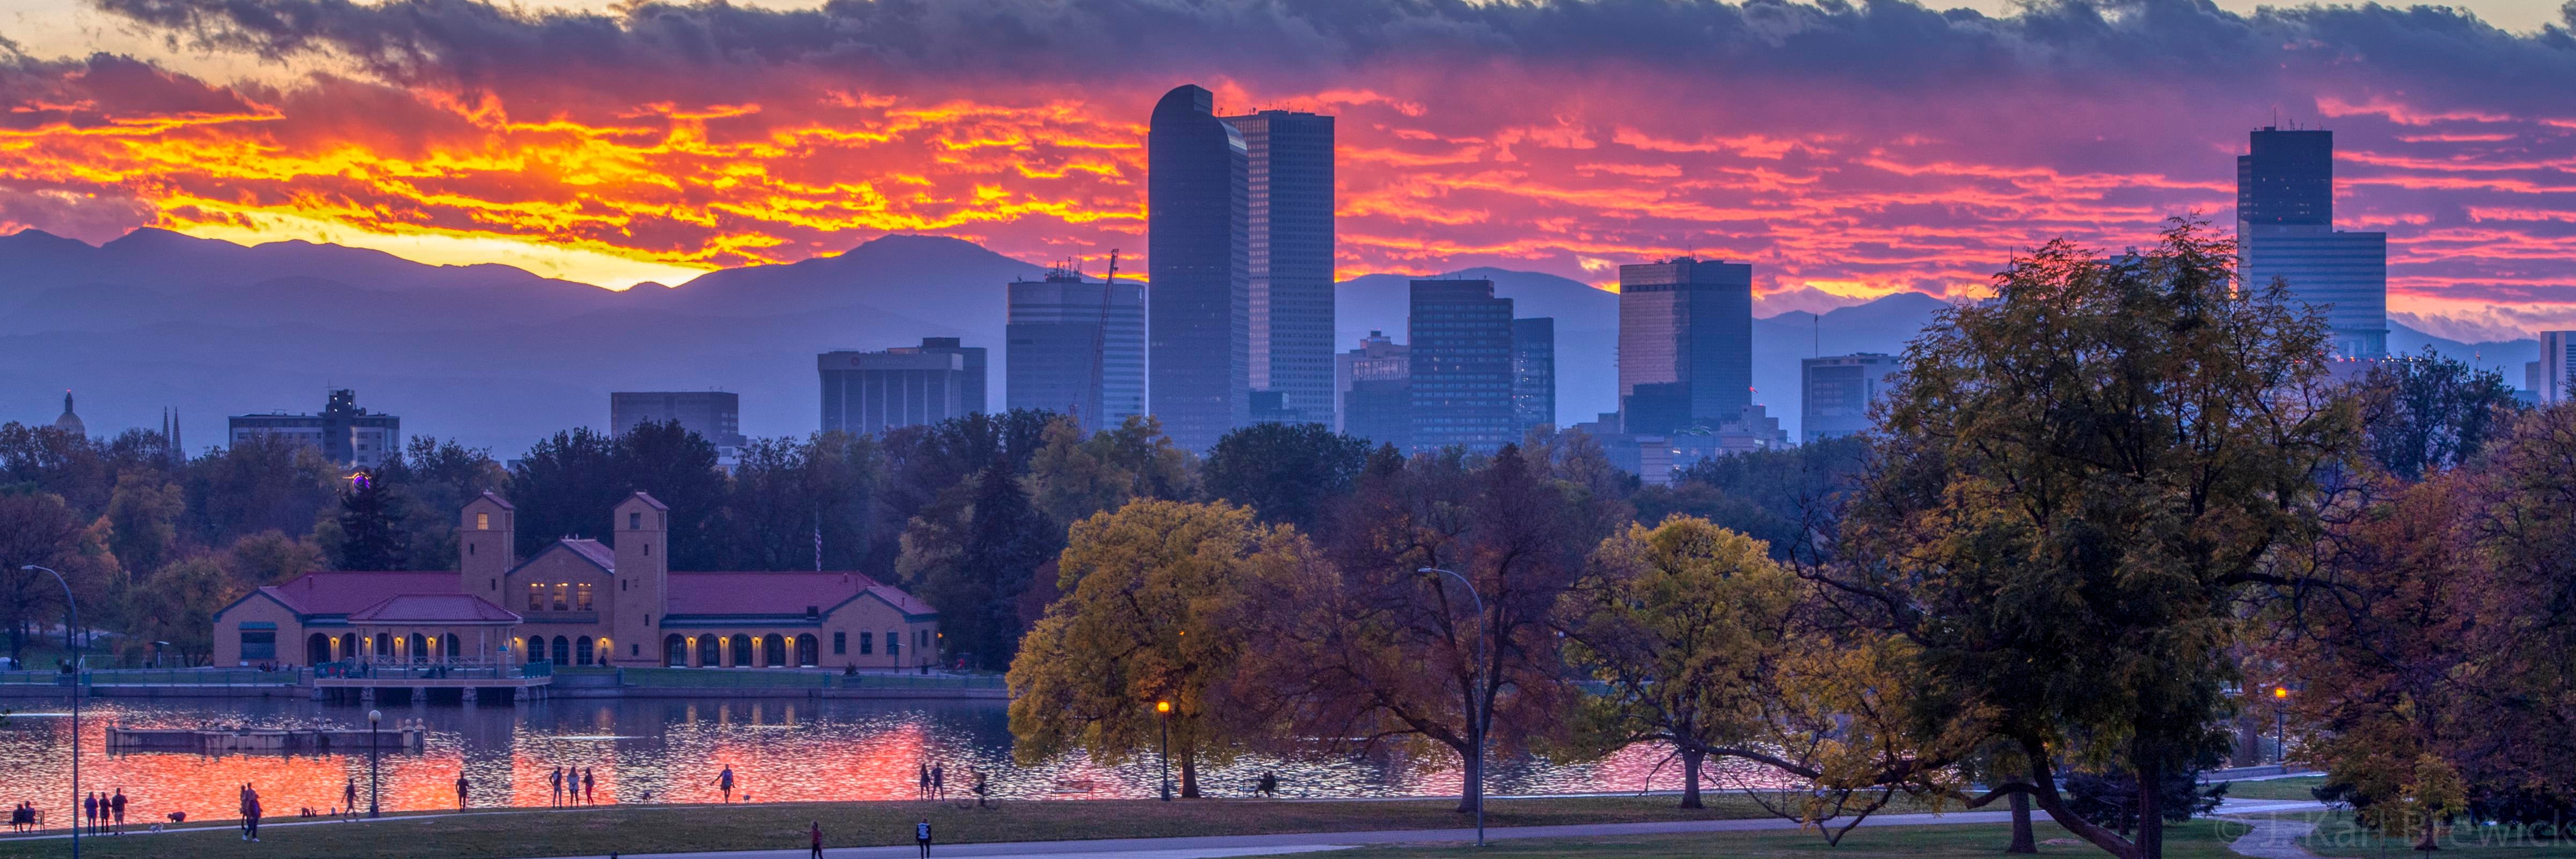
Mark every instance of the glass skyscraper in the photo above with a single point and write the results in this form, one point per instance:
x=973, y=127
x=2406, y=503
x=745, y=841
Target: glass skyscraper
x=2285, y=231
x=1534, y=372
x=1289, y=212
x=1460, y=358
x=1685, y=345
x=1078, y=348
x=1198, y=237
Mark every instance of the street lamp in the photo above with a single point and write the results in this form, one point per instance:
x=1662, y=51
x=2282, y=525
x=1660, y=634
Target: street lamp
x=1476, y=712
x=2281, y=726
x=71, y=621
x=1163, y=711
x=373, y=716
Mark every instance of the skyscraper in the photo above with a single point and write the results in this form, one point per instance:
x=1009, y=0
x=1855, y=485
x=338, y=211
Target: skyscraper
x=2557, y=357
x=1289, y=211
x=1197, y=247
x=1461, y=365
x=714, y=415
x=971, y=393
x=1534, y=372
x=2285, y=230
x=1078, y=348
x=1838, y=390
x=1685, y=344
x=871, y=392
x=1377, y=394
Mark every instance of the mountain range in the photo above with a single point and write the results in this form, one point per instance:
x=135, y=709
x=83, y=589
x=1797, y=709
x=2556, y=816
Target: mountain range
x=497, y=357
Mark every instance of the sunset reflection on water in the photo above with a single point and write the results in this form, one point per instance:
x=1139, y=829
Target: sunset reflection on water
x=671, y=751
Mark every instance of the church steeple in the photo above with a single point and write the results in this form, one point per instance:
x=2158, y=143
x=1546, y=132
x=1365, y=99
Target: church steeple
x=70, y=423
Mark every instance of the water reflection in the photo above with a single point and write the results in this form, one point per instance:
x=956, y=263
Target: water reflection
x=671, y=750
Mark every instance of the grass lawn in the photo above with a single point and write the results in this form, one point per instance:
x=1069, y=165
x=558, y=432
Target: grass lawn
x=2336, y=835
x=2200, y=839
x=2278, y=788
x=664, y=828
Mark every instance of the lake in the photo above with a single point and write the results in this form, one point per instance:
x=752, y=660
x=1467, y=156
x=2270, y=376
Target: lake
x=670, y=750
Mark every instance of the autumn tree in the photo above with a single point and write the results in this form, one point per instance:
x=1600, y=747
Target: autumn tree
x=177, y=604
x=143, y=519
x=39, y=528
x=1149, y=593
x=2079, y=484
x=1073, y=476
x=1686, y=625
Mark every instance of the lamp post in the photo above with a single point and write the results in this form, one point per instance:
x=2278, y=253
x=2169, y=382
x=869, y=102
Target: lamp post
x=373, y=716
x=71, y=622
x=2281, y=726
x=1163, y=711
x=1476, y=711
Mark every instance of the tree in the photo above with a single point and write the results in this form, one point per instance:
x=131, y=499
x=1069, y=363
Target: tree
x=1072, y=477
x=566, y=486
x=270, y=558
x=2110, y=799
x=1286, y=472
x=431, y=481
x=1151, y=591
x=143, y=515
x=1781, y=497
x=2429, y=412
x=177, y=604
x=932, y=465
x=268, y=483
x=973, y=564
x=1686, y=624
x=39, y=528
x=678, y=468
x=370, y=535
x=794, y=499
x=2078, y=484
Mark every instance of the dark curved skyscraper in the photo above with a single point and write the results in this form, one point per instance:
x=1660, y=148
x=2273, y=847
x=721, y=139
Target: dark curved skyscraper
x=1198, y=301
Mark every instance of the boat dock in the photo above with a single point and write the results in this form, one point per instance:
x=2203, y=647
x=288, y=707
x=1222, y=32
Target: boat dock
x=407, y=737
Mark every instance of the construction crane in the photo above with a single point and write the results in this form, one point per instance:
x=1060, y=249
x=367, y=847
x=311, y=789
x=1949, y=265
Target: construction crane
x=1098, y=393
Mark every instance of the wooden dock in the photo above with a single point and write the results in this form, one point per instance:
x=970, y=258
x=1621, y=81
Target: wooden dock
x=284, y=740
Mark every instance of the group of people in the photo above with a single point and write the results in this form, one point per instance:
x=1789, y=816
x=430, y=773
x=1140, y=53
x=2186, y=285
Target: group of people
x=571, y=785
x=250, y=812
x=101, y=809
x=24, y=816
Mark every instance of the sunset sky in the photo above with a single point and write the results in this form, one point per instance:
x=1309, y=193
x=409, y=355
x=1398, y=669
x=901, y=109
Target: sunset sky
x=1848, y=150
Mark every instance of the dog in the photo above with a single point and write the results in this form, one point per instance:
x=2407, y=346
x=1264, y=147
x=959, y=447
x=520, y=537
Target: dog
x=177, y=817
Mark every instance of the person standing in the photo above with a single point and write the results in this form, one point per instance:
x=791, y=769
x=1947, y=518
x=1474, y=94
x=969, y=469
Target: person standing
x=117, y=805
x=817, y=832
x=923, y=792
x=89, y=809
x=589, y=786
x=461, y=790
x=921, y=836
x=555, y=781
x=725, y=780
x=250, y=813
x=938, y=782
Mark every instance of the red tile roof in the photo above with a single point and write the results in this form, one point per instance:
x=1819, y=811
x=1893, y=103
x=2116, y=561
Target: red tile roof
x=335, y=592
x=448, y=608
x=737, y=593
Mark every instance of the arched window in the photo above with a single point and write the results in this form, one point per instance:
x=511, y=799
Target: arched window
x=742, y=655
x=675, y=652
x=449, y=649
x=419, y=648
x=317, y=649
x=805, y=651
x=536, y=649
x=563, y=651
x=773, y=651
x=710, y=652
x=349, y=646
x=585, y=652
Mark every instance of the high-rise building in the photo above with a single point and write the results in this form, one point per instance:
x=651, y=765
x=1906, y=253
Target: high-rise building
x=1837, y=391
x=1377, y=395
x=972, y=359
x=1534, y=372
x=714, y=415
x=1078, y=348
x=345, y=433
x=1685, y=344
x=871, y=392
x=2557, y=358
x=1198, y=235
x=1289, y=211
x=1460, y=365
x=2285, y=231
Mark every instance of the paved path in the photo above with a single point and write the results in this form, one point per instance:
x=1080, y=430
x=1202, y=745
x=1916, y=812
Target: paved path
x=1215, y=846
x=2273, y=838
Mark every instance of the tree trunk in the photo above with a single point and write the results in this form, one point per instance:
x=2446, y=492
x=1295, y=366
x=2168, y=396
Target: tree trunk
x=2151, y=812
x=1690, y=777
x=1471, y=791
x=2428, y=842
x=1189, y=776
x=2022, y=839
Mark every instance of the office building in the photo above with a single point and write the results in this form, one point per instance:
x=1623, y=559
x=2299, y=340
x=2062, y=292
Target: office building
x=1685, y=345
x=1289, y=219
x=1460, y=365
x=1198, y=234
x=1534, y=372
x=2285, y=232
x=1077, y=348
x=714, y=415
x=345, y=434
x=2548, y=377
x=871, y=392
x=1376, y=387
x=969, y=357
x=1837, y=391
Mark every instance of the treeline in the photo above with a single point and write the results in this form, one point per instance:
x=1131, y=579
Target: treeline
x=2107, y=512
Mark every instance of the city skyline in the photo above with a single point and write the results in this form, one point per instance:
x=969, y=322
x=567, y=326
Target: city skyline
x=1850, y=183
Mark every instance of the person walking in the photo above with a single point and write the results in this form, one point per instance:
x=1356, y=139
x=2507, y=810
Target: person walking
x=817, y=832
x=938, y=782
x=725, y=780
x=250, y=813
x=117, y=806
x=921, y=836
x=349, y=798
x=461, y=790
x=589, y=786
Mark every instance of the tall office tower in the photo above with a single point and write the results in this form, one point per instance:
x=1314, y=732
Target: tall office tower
x=1289, y=179
x=1197, y=222
x=346, y=434
x=1077, y=348
x=1461, y=365
x=871, y=392
x=1685, y=345
x=2557, y=357
x=1376, y=381
x=1837, y=391
x=971, y=396
x=2285, y=230
x=1534, y=372
x=714, y=415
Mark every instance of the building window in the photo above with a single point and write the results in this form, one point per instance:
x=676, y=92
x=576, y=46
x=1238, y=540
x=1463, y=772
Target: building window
x=584, y=653
x=867, y=643
x=805, y=651
x=563, y=650
x=258, y=644
x=581, y=597
x=894, y=643
x=634, y=521
x=563, y=596
x=840, y=643
x=536, y=597
x=482, y=521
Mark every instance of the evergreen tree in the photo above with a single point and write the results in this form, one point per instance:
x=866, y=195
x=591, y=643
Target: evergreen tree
x=371, y=532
